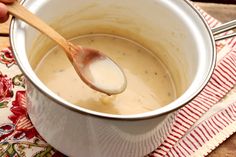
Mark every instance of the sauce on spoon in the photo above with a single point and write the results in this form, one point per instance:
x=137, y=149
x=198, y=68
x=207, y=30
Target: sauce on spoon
x=106, y=75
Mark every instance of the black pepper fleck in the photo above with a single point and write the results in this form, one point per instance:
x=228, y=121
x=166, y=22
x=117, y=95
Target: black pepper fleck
x=61, y=70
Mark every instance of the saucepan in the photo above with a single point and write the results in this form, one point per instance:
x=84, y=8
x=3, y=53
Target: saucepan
x=172, y=29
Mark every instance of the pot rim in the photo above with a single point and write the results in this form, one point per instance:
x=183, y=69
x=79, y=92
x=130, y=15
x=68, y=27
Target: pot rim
x=154, y=113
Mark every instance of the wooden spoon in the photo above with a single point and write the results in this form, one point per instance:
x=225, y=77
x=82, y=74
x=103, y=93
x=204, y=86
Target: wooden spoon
x=94, y=68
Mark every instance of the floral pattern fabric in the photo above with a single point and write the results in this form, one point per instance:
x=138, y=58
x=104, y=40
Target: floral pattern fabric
x=18, y=137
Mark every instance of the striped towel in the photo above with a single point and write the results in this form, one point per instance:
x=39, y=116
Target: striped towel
x=201, y=125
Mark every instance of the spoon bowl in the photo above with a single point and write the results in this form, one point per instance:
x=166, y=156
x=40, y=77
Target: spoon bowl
x=97, y=71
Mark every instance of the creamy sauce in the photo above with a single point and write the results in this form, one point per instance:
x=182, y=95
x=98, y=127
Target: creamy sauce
x=149, y=84
x=106, y=75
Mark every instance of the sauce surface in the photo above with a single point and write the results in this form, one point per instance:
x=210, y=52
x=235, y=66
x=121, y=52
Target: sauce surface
x=149, y=84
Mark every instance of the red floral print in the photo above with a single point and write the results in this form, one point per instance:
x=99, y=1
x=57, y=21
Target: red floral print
x=6, y=86
x=5, y=131
x=6, y=57
x=20, y=118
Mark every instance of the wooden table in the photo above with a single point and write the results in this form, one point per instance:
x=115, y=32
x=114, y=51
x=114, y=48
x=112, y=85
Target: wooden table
x=221, y=12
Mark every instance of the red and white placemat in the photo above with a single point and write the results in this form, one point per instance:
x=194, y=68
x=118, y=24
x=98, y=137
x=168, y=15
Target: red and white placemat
x=194, y=130
x=201, y=125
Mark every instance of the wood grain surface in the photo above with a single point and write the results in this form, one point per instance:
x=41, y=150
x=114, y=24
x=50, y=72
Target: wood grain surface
x=221, y=12
x=4, y=42
x=217, y=1
x=4, y=28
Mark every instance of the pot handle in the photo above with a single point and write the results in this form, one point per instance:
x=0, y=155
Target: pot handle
x=223, y=28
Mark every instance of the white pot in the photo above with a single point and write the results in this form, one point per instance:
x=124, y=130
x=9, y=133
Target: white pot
x=172, y=29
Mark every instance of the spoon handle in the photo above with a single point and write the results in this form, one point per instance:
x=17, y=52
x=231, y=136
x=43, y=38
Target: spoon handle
x=22, y=13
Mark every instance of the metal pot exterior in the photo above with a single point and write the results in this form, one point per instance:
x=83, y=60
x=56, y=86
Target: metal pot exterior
x=85, y=135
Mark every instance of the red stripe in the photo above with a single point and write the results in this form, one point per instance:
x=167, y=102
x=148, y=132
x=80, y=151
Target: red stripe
x=164, y=144
x=227, y=116
x=231, y=40
x=223, y=118
x=203, y=133
x=195, y=139
x=228, y=71
x=171, y=152
x=162, y=151
x=176, y=132
x=232, y=57
x=171, y=139
x=194, y=110
x=232, y=116
x=194, y=106
x=158, y=153
x=222, y=80
x=231, y=110
x=214, y=129
x=167, y=155
x=231, y=64
x=179, y=119
x=203, y=104
x=234, y=109
x=214, y=24
x=181, y=124
x=209, y=128
x=217, y=126
x=209, y=89
x=206, y=103
x=191, y=113
x=215, y=86
x=207, y=93
x=193, y=143
x=226, y=66
x=208, y=99
x=220, y=121
x=196, y=103
x=189, y=148
x=225, y=77
x=215, y=80
x=184, y=149
x=232, y=43
x=177, y=151
x=196, y=132
x=177, y=127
